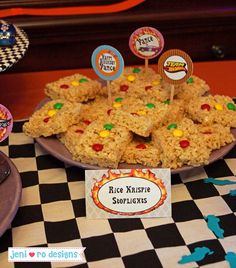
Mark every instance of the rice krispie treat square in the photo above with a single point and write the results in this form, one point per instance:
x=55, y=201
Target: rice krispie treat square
x=52, y=118
x=180, y=143
x=71, y=137
x=98, y=108
x=74, y=88
x=216, y=135
x=194, y=87
x=142, y=115
x=102, y=144
x=141, y=151
x=138, y=124
x=138, y=82
x=131, y=78
x=213, y=109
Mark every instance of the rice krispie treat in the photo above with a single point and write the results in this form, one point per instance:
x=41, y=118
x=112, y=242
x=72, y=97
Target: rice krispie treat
x=136, y=82
x=141, y=151
x=138, y=124
x=74, y=88
x=102, y=143
x=53, y=117
x=180, y=143
x=216, y=135
x=131, y=78
x=194, y=87
x=96, y=109
x=71, y=137
x=213, y=109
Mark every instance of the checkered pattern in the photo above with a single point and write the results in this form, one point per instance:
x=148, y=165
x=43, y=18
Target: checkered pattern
x=52, y=214
x=11, y=55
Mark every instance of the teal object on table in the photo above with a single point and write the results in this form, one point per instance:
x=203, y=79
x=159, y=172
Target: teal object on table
x=232, y=192
x=231, y=258
x=218, y=182
x=213, y=225
x=199, y=254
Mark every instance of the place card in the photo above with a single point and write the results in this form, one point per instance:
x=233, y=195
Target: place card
x=128, y=193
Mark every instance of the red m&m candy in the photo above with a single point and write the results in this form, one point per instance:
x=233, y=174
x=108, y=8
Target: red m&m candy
x=124, y=88
x=97, y=147
x=64, y=86
x=205, y=106
x=141, y=146
x=184, y=143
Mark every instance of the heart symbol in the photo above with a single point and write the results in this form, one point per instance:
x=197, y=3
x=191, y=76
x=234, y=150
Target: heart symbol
x=31, y=254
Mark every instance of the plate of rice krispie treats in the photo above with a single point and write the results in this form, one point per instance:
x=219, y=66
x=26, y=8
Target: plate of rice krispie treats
x=139, y=128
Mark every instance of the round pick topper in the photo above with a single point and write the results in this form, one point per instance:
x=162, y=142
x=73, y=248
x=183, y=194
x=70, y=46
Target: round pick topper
x=6, y=122
x=175, y=66
x=146, y=42
x=107, y=62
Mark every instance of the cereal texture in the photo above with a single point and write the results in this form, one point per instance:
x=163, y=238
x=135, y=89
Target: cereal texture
x=52, y=118
x=180, y=144
x=138, y=124
x=194, y=87
x=216, y=135
x=71, y=137
x=74, y=88
x=102, y=144
x=141, y=151
x=213, y=109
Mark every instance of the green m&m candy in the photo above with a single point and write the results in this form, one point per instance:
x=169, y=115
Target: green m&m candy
x=173, y=125
x=231, y=106
x=58, y=105
x=108, y=126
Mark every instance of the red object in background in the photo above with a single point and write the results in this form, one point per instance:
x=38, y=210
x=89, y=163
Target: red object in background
x=66, y=11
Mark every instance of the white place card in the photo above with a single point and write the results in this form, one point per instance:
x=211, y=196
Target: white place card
x=128, y=193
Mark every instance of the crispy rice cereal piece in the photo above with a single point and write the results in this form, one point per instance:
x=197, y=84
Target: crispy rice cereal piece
x=213, y=109
x=141, y=151
x=138, y=124
x=95, y=109
x=139, y=115
x=102, y=144
x=129, y=79
x=53, y=117
x=216, y=135
x=140, y=84
x=180, y=144
x=194, y=87
x=71, y=137
x=74, y=88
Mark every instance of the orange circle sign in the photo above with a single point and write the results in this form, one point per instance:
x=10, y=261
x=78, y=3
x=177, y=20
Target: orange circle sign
x=175, y=66
x=107, y=62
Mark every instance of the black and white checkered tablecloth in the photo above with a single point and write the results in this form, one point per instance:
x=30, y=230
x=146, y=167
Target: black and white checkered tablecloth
x=52, y=214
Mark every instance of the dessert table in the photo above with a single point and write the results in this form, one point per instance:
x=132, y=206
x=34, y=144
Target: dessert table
x=52, y=214
x=52, y=211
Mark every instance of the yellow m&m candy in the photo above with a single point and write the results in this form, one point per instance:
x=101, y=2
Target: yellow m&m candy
x=218, y=107
x=104, y=133
x=117, y=105
x=75, y=83
x=141, y=112
x=156, y=82
x=52, y=112
x=131, y=78
x=178, y=132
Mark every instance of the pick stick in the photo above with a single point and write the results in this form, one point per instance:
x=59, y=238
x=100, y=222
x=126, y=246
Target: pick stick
x=109, y=92
x=146, y=65
x=172, y=93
